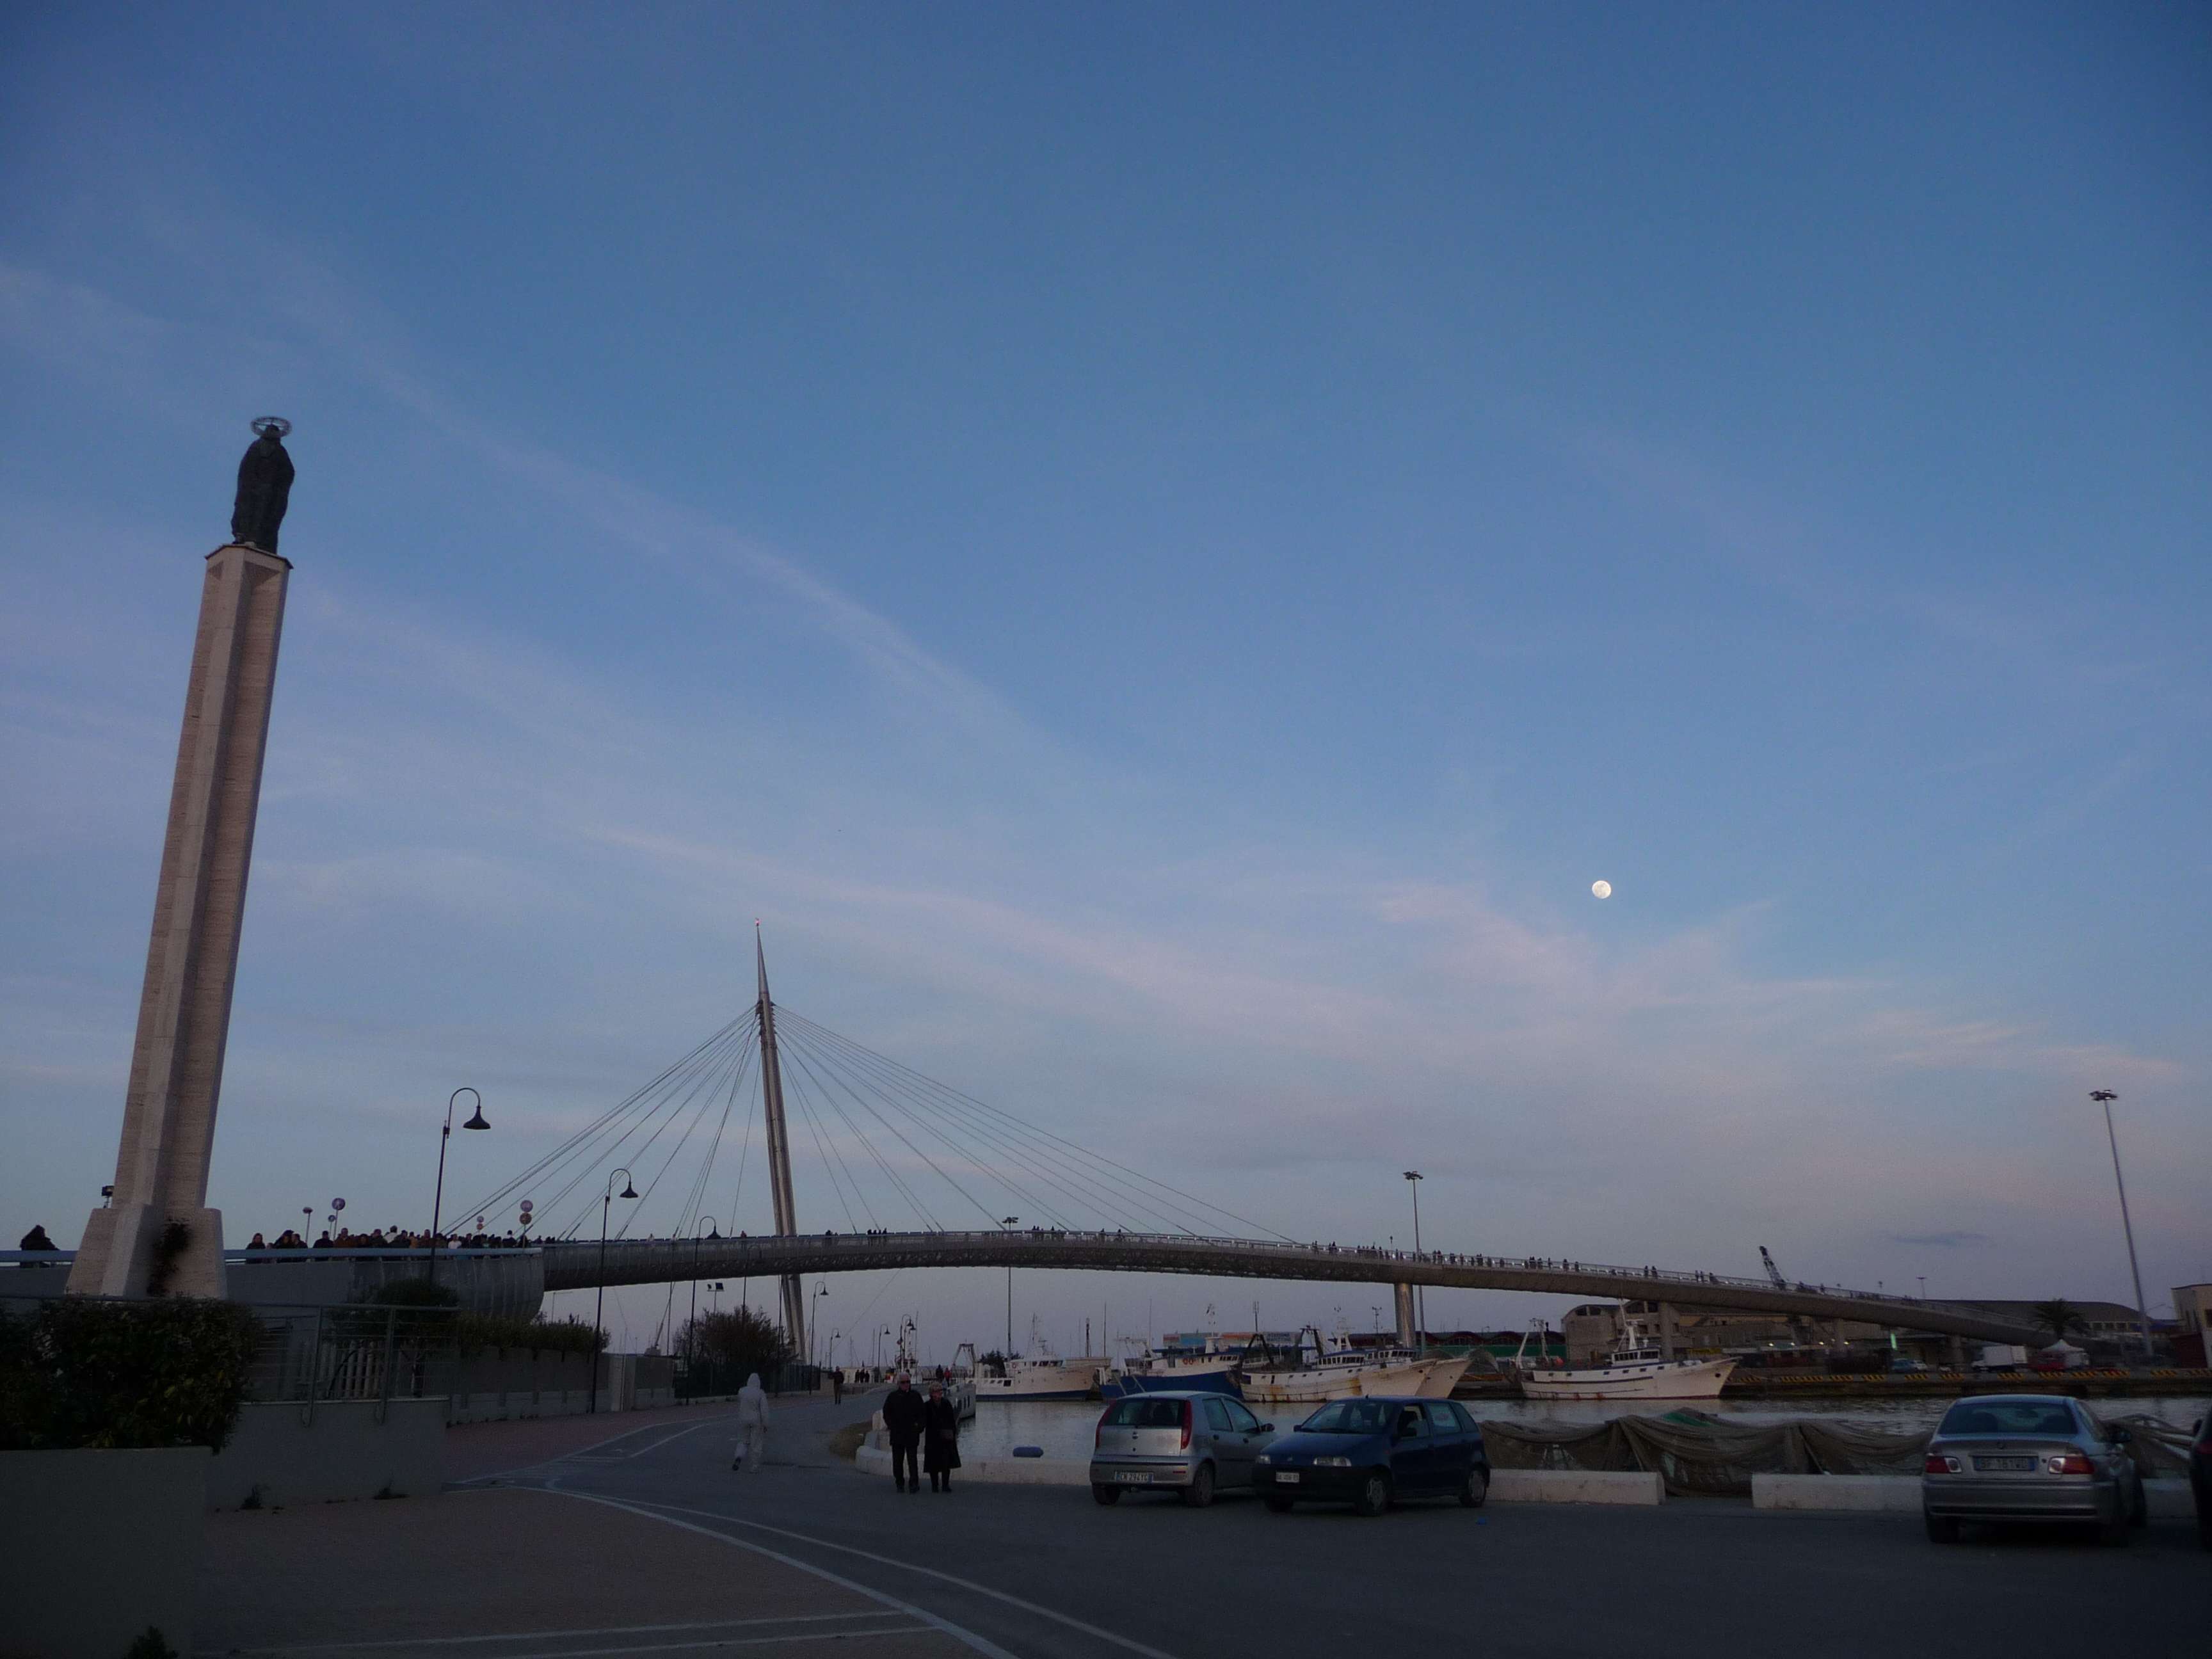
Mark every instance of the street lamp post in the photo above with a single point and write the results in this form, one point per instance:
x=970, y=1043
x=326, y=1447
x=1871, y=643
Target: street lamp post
x=814, y=1334
x=1421, y=1294
x=691, y=1330
x=1008, y=1224
x=438, y=1198
x=598, y=1305
x=2105, y=1097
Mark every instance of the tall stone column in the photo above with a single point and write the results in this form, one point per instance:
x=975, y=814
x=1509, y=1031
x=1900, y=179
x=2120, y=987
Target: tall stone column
x=191, y=961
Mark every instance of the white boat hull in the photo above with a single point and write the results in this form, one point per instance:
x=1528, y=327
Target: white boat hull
x=1678, y=1379
x=1069, y=1379
x=1428, y=1379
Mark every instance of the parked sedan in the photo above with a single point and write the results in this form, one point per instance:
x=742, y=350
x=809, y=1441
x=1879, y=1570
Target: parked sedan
x=1193, y=1443
x=2029, y=1457
x=1371, y=1452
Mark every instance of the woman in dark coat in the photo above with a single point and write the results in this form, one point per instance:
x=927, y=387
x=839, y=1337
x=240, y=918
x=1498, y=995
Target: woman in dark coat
x=941, y=1439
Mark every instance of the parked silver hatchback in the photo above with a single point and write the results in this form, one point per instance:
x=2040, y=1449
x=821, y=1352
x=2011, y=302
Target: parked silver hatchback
x=1192, y=1444
x=2029, y=1457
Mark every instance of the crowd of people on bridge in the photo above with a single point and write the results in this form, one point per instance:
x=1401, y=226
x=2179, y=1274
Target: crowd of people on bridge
x=391, y=1239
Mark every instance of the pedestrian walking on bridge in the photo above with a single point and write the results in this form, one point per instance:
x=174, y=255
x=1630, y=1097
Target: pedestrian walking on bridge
x=903, y=1421
x=752, y=1426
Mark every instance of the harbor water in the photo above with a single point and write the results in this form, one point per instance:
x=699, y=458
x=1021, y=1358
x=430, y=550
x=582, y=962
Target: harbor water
x=1063, y=1428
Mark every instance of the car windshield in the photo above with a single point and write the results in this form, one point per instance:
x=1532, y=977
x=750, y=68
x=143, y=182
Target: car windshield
x=2008, y=1416
x=1144, y=1414
x=1351, y=1417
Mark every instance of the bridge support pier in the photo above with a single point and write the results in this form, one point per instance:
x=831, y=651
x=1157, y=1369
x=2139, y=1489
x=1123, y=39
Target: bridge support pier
x=1669, y=1342
x=1402, y=1296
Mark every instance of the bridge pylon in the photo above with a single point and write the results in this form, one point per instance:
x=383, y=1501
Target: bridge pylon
x=793, y=1296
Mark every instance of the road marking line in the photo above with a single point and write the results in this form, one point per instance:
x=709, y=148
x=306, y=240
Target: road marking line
x=735, y=1642
x=563, y=1457
x=558, y=1635
x=982, y=1645
x=1071, y=1622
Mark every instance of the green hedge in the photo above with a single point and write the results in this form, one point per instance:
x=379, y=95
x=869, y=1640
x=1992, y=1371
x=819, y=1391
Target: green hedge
x=79, y=1373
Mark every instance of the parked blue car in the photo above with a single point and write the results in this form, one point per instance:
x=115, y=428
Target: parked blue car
x=1371, y=1452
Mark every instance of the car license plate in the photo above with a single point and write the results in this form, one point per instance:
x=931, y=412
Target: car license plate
x=1133, y=1477
x=1286, y=1477
x=2009, y=1465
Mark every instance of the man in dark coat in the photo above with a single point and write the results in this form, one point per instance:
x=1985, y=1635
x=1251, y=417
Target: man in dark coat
x=941, y=1438
x=264, y=487
x=903, y=1421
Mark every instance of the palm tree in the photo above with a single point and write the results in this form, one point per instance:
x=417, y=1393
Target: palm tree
x=2058, y=1317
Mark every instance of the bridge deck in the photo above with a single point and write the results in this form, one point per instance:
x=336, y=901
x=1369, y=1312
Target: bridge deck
x=653, y=1261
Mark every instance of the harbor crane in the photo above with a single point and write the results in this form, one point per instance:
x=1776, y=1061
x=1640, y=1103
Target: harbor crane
x=1798, y=1332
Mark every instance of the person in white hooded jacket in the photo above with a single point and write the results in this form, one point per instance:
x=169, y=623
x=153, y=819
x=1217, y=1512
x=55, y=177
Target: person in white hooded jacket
x=752, y=1426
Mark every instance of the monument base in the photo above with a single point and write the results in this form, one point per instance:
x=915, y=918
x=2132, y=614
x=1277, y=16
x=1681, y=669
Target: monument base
x=121, y=1252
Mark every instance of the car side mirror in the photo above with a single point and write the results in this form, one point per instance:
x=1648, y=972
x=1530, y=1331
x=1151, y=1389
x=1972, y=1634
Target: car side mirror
x=2119, y=1436
x=1267, y=1428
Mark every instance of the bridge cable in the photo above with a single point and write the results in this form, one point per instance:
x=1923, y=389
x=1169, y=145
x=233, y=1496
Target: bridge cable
x=1035, y=1200
x=562, y=1152
x=966, y=1154
x=913, y=1201
x=697, y=1077
x=668, y=1101
x=1072, y=1147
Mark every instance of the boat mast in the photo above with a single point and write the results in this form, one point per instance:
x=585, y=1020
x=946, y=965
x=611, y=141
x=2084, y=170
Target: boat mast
x=779, y=1155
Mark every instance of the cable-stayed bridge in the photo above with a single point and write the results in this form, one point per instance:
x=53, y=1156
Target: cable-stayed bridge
x=925, y=1175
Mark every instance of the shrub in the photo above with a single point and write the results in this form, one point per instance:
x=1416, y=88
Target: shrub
x=79, y=1373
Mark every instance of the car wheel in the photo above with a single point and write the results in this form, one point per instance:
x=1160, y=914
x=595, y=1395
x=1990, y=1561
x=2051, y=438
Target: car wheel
x=2115, y=1534
x=2204, y=1532
x=1108, y=1496
x=1282, y=1506
x=1476, y=1489
x=1941, y=1528
x=2139, y=1511
x=1374, y=1493
x=1200, y=1492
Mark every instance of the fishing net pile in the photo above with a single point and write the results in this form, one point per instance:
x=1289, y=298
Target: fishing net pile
x=1695, y=1452
x=1699, y=1455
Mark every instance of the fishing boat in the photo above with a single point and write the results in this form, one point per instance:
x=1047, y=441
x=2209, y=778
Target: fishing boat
x=1636, y=1369
x=1041, y=1379
x=1335, y=1369
x=1211, y=1370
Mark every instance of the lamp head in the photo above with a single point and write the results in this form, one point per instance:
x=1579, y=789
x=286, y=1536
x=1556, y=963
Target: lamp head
x=477, y=1121
x=627, y=1190
x=1412, y=1174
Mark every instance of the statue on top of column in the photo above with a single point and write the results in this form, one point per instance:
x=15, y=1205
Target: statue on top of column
x=265, y=485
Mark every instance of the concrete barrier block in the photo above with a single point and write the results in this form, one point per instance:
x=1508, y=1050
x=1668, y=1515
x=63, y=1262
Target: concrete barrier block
x=1575, y=1487
x=279, y=1454
x=99, y=1544
x=2170, y=1500
x=1887, y=1493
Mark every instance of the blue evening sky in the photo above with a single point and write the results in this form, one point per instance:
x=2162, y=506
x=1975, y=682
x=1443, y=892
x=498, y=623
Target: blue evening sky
x=1160, y=550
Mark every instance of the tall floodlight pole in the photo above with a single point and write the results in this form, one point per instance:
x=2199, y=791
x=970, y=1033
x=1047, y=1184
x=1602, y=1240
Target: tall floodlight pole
x=1421, y=1294
x=1008, y=1224
x=794, y=1294
x=438, y=1196
x=598, y=1306
x=2105, y=1097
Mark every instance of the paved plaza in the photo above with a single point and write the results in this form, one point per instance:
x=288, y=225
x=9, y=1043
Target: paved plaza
x=621, y=1536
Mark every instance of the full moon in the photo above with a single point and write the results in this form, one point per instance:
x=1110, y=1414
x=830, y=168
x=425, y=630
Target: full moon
x=1600, y=889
